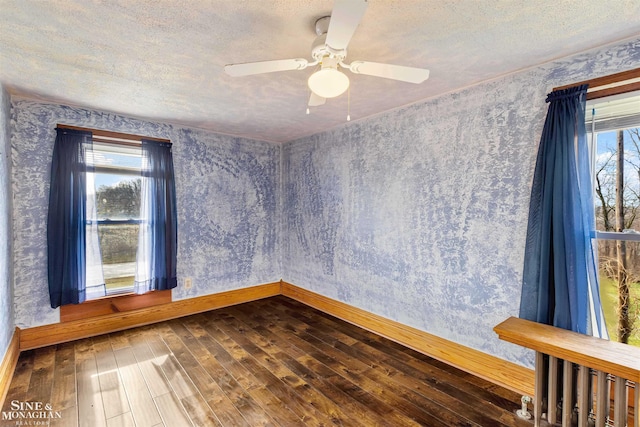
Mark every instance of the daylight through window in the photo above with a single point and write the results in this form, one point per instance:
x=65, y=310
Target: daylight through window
x=116, y=183
x=613, y=131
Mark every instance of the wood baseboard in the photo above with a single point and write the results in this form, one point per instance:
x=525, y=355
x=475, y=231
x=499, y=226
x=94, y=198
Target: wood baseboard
x=56, y=333
x=8, y=365
x=490, y=368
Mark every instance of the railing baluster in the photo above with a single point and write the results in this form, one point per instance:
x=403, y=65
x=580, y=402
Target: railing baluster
x=620, y=403
x=552, y=395
x=608, y=361
x=602, y=400
x=583, y=396
x=567, y=393
x=539, y=389
x=636, y=393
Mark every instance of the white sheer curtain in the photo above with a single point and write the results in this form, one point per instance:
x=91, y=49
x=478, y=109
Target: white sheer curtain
x=143, y=277
x=157, y=241
x=95, y=286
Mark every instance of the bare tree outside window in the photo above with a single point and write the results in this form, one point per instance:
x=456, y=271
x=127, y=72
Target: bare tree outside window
x=617, y=198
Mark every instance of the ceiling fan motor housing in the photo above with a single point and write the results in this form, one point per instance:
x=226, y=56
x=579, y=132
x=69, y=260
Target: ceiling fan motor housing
x=319, y=48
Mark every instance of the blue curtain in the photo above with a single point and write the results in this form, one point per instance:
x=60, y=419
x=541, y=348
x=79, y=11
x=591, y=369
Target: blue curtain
x=157, y=241
x=74, y=264
x=560, y=282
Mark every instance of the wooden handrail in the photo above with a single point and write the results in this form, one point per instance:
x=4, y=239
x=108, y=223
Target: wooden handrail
x=612, y=357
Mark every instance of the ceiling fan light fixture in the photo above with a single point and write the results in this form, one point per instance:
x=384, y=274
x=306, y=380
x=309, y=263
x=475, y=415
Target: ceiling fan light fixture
x=328, y=82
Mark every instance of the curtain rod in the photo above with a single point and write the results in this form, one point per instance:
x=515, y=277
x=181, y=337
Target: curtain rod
x=613, y=84
x=114, y=137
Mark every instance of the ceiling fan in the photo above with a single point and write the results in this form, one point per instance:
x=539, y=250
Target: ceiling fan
x=329, y=51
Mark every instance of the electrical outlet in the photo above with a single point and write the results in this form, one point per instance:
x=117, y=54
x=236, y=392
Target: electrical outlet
x=188, y=283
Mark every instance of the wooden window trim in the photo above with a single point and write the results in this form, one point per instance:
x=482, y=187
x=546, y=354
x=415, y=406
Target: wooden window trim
x=109, y=137
x=613, y=84
x=113, y=304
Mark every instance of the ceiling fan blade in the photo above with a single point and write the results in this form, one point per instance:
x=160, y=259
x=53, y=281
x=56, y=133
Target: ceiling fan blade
x=393, y=72
x=345, y=17
x=249, y=68
x=316, y=100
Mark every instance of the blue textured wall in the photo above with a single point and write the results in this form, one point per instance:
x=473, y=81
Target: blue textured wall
x=7, y=321
x=227, y=203
x=419, y=215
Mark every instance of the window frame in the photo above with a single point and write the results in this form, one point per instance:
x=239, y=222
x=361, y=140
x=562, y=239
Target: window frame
x=611, y=235
x=602, y=87
x=101, y=147
x=619, y=84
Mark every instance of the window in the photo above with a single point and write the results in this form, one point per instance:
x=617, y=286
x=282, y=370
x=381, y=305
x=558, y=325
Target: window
x=613, y=131
x=112, y=221
x=116, y=181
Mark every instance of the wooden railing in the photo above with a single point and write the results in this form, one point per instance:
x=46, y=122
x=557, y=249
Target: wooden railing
x=578, y=375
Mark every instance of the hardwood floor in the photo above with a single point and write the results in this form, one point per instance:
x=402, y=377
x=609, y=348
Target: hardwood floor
x=272, y=362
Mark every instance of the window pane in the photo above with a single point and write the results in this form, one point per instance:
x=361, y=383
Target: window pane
x=608, y=164
x=117, y=196
x=116, y=156
x=118, y=186
x=616, y=269
x=619, y=261
x=616, y=161
x=119, y=243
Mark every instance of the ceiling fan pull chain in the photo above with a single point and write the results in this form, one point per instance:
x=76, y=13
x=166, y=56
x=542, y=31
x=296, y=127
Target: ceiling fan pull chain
x=349, y=104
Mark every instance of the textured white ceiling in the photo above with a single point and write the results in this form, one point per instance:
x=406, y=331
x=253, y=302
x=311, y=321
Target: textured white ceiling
x=163, y=60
